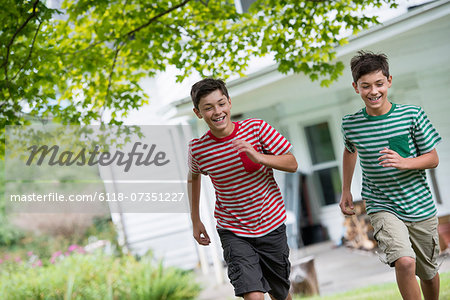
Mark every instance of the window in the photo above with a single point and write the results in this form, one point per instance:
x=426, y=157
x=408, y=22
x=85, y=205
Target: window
x=326, y=178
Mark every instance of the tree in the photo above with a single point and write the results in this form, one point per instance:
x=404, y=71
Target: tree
x=86, y=60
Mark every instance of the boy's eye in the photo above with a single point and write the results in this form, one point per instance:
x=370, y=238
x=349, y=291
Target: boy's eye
x=221, y=104
x=208, y=108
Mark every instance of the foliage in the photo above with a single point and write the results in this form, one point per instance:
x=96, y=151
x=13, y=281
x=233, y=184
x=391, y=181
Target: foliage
x=88, y=58
x=102, y=229
x=9, y=234
x=96, y=276
x=51, y=231
x=45, y=244
x=387, y=291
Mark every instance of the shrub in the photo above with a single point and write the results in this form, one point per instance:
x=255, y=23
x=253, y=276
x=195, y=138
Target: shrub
x=44, y=245
x=97, y=276
x=9, y=234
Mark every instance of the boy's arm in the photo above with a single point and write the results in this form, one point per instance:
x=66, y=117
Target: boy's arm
x=285, y=162
x=348, y=167
x=390, y=158
x=199, y=231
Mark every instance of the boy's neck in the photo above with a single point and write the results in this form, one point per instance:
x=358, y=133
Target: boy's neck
x=223, y=133
x=379, y=111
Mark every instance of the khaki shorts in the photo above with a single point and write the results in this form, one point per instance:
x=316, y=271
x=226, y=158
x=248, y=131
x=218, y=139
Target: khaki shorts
x=398, y=238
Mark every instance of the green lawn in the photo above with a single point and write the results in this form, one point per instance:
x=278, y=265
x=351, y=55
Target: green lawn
x=387, y=291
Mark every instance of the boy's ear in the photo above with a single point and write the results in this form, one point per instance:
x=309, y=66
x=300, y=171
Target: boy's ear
x=197, y=113
x=389, y=81
x=355, y=86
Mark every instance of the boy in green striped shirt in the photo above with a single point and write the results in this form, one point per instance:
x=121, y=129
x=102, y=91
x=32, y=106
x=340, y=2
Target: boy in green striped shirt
x=395, y=144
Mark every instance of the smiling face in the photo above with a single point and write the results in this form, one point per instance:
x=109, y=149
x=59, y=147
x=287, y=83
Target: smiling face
x=215, y=109
x=373, y=88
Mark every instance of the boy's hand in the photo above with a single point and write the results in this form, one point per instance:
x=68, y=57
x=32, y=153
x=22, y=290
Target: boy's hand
x=392, y=159
x=243, y=146
x=346, y=204
x=200, y=234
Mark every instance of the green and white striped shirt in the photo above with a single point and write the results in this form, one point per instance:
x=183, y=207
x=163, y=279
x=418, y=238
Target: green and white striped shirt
x=406, y=130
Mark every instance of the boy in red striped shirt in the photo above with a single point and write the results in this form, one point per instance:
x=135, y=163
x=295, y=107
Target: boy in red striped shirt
x=240, y=157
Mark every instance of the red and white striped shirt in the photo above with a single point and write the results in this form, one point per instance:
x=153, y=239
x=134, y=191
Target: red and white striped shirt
x=248, y=200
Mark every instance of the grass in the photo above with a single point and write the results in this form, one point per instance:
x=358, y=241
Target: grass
x=388, y=291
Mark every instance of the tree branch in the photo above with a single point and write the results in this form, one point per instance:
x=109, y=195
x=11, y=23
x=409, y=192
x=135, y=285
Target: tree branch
x=130, y=33
x=123, y=15
x=112, y=71
x=113, y=66
x=8, y=48
x=155, y=18
x=29, y=53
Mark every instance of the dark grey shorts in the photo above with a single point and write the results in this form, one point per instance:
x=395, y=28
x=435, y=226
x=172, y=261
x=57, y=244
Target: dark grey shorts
x=258, y=264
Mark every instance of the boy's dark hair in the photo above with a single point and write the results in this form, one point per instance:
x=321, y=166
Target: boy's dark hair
x=366, y=62
x=205, y=87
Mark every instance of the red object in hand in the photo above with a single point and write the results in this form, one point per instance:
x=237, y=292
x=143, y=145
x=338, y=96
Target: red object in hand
x=249, y=165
